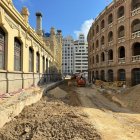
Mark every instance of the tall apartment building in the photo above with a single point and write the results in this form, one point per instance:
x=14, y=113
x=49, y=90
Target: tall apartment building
x=67, y=55
x=114, y=43
x=75, y=55
x=80, y=55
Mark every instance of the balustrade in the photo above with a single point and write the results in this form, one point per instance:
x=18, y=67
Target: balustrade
x=121, y=60
x=136, y=58
x=135, y=12
x=136, y=34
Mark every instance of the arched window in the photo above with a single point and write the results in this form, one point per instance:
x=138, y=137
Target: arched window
x=97, y=58
x=102, y=75
x=97, y=75
x=110, y=75
x=97, y=29
x=121, y=75
x=121, y=52
x=121, y=32
x=31, y=60
x=47, y=66
x=97, y=43
x=135, y=4
x=17, y=54
x=110, y=36
x=102, y=56
x=110, y=55
x=136, y=49
x=110, y=19
x=102, y=24
x=121, y=11
x=135, y=76
x=2, y=49
x=37, y=62
x=43, y=64
x=135, y=25
x=102, y=40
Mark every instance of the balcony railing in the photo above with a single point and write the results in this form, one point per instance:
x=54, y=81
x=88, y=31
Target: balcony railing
x=110, y=25
x=135, y=12
x=121, y=39
x=121, y=60
x=102, y=47
x=110, y=62
x=121, y=19
x=103, y=30
x=110, y=43
x=136, y=34
x=136, y=58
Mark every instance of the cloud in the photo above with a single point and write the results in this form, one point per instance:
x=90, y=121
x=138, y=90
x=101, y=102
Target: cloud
x=84, y=28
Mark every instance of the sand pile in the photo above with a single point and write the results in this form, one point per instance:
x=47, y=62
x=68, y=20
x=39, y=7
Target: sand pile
x=49, y=120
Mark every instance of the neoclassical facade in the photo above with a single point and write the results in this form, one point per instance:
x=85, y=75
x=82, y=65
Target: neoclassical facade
x=114, y=43
x=26, y=55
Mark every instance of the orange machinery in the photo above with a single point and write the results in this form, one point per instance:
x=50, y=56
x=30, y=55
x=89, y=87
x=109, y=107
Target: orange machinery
x=81, y=81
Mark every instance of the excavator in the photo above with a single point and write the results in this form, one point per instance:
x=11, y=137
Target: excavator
x=81, y=81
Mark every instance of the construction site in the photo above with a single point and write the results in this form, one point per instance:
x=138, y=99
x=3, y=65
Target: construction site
x=71, y=112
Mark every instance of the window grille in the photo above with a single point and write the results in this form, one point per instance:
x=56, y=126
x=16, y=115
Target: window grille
x=2, y=49
x=17, y=55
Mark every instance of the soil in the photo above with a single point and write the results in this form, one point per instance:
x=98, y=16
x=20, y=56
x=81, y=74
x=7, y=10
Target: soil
x=74, y=113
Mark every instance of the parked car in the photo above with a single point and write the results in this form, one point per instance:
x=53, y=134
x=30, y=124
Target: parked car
x=68, y=77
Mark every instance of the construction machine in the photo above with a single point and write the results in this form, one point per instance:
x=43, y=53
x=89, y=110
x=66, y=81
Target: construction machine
x=81, y=81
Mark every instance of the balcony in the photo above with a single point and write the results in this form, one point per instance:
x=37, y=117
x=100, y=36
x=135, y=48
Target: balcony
x=136, y=34
x=110, y=62
x=121, y=19
x=103, y=63
x=121, y=39
x=110, y=43
x=102, y=47
x=110, y=25
x=121, y=60
x=135, y=12
x=103, y=30
x=136, y=58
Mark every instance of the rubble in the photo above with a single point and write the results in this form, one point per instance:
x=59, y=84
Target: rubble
x=49, y=119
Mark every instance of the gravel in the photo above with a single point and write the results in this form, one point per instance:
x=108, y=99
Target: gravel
x=49, y=119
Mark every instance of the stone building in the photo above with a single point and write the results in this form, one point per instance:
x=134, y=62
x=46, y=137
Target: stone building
x=114, y=43
x=26, y=56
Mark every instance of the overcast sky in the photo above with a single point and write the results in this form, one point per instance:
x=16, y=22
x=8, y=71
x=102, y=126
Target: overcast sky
x=71, y=16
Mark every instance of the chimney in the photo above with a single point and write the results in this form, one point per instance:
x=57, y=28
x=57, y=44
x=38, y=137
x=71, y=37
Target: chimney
x=59, y=32
x=52, y=31
x=25, y=14
x=39, y=23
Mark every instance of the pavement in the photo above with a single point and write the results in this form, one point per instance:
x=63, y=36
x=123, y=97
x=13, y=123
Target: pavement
x=11, y=104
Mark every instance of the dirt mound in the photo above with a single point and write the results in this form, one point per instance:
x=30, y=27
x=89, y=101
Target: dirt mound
x=49, y=120
x=131, y=98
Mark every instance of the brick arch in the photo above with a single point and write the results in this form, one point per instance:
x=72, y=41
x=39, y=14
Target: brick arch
x=135, y=4
x=121, y=31
x=120, y=11
x=135, y=25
